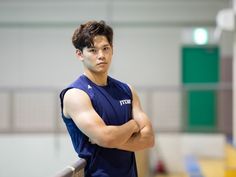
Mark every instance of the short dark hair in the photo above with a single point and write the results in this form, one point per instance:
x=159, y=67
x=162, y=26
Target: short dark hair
x=83, y=36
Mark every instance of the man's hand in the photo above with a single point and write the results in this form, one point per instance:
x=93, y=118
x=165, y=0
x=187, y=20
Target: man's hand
x=144, y=138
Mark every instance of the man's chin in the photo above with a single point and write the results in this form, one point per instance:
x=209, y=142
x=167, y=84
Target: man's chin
x=101, y=72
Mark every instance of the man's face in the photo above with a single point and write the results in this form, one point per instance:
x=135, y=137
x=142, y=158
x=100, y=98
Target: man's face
x=97, y=58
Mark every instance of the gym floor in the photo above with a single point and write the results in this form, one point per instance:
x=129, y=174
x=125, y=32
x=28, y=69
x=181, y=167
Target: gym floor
x=209, y=167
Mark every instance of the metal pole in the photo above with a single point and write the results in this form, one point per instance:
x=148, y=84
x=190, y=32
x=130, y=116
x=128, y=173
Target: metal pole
x=74, y=170
x=234, y=78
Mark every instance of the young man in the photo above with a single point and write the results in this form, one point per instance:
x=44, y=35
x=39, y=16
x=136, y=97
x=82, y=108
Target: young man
x=103, y=116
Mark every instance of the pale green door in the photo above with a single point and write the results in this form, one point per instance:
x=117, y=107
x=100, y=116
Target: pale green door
x=200, y=65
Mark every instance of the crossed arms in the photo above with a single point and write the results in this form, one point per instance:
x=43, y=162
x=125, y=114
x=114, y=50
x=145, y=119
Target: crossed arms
x=134, y=135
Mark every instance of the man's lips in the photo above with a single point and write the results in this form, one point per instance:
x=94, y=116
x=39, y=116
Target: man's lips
x=102, y=63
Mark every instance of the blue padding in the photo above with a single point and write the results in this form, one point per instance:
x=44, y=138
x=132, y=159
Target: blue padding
x=192, y=167
x=196, y=175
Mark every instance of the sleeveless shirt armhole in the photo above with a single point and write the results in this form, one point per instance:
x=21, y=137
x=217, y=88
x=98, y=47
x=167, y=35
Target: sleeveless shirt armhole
x=124, y=86
x=128, y=88
x=63, y=92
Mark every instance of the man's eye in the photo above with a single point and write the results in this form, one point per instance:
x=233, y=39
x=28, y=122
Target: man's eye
x=106, y=48
x=92, y=50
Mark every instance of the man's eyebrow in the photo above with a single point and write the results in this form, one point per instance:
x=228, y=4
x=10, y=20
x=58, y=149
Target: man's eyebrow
x=93, y=47
x=105, y=45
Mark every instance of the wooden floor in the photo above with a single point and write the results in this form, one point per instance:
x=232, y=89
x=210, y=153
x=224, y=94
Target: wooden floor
x=215, y=167
x=212, y=167
x=209, y=168
x=230, y=162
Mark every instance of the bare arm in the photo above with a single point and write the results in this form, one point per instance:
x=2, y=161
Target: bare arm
x=145, y=137
x=77, y=105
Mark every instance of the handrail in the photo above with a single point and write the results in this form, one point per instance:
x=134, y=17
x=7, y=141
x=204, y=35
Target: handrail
x=74, y=170
x=12, y=97
x=187, y=86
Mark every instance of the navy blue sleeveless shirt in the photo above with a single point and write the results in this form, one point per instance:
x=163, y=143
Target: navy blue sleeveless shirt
x=113, y=103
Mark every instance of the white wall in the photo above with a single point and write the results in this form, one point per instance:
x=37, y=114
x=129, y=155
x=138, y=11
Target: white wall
x=143, y=54
x=36, y=45
x=45, y=57
x=35, y=155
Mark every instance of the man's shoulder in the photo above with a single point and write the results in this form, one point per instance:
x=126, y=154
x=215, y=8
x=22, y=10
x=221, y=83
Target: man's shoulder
x=78, y=82
x=76, y=86
x=75, y=93
x=121, y=85
x=113, y=80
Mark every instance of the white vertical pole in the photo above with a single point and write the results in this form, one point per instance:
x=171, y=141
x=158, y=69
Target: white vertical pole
x=234, y=78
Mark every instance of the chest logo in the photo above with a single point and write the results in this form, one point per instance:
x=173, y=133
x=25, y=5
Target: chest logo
x=122, y=102
x=89, y=87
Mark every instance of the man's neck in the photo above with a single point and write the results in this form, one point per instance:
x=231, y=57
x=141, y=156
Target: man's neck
x=98, y=79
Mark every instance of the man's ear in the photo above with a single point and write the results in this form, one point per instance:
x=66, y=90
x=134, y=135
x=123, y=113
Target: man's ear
x=79, y=54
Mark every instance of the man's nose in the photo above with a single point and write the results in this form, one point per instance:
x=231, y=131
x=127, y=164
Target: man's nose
x=100, y=54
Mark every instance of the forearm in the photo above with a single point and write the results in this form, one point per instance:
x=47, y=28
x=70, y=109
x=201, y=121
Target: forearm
x=114, y=136
x=145, y=137
x=139, y=141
